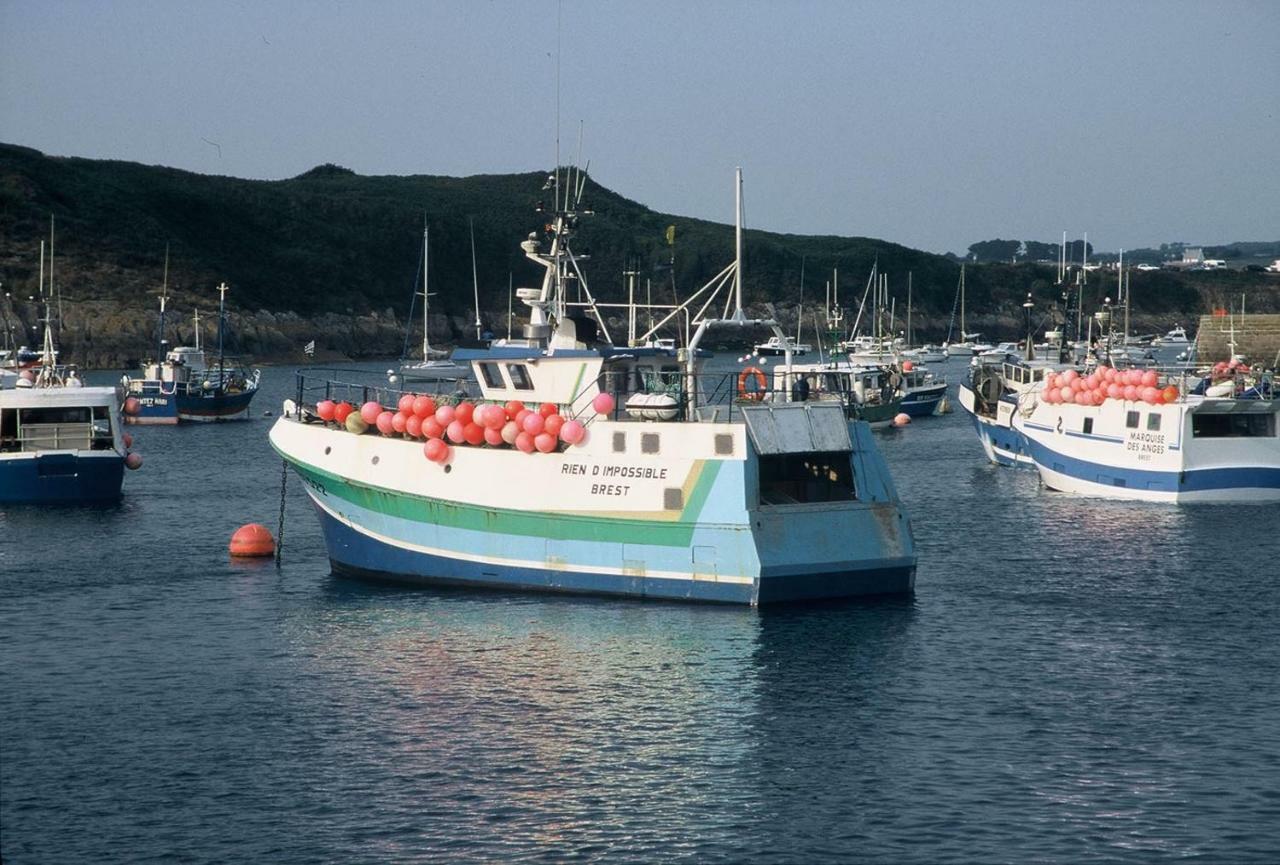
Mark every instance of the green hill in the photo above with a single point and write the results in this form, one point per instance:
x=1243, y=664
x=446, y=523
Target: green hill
x=330, y=242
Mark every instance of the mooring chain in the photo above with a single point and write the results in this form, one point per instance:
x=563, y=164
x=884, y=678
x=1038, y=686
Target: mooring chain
x=284, y=483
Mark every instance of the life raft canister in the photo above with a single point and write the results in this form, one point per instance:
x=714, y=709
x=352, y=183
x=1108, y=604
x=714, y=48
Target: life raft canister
x=762, y=383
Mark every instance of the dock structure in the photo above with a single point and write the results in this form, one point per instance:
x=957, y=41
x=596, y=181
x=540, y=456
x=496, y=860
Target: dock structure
x=1257, y=337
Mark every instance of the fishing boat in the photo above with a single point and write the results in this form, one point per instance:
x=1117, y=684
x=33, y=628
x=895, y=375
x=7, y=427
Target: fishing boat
x=733, y=499
x=182, y=386
x=1154, y=443
x=866, y=393
x=435, y=365
x=1176, y=338
x=60, y=441
x=922, y=390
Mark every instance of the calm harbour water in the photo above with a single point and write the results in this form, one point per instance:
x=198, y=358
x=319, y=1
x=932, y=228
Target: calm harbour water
x=1073, y=681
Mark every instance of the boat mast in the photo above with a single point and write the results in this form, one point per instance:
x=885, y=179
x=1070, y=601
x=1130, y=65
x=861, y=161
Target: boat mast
x=197, y=325
x=426, y=260
x=910, y=342
x=800, y=306
x=164, y=297
x=964, y=334
x=475, y=280
x=737, y=246
x=222, y=320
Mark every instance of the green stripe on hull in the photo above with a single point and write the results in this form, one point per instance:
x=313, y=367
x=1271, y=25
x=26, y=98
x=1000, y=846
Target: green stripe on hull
x=539, y=524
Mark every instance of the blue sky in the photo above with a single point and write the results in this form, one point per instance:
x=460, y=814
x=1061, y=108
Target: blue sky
x=931, y=124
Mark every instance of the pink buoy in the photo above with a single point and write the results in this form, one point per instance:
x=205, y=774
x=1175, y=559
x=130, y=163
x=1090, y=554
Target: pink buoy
x=533, y=423
x=1115, y=391
x=370, y=411
x=325, y=408
x=901, y=419
x=405, y=405
x=509, y=432
x=1149, y=395
x=1130, y=393
x=572, y=432
x=342, y=411
x=1149, y=378
x=128, y=440
x=553, y=424
x=520, y=416
x=435, y=450
x=400, y=422
x=465, y=412
x=493, y=437
x=603, y=403
x=1070, y=376
x=473, y=433
x=133, y=461
x=457, y=432
x=131, y=404
x=432, y=428
x=423, y=406
x=496, y=417
x=514, y=407
x=524, y=442
x=413, y=426
x=547, y=409
x=385, y=422
x=907, y=366
x=1066, y=393
x=544, y=442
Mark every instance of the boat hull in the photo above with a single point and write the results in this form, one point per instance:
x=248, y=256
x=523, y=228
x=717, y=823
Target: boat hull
x=925, y=401
x=156, y=406
x=206, y=409
x=61, y=477
x=1003, y=445
x=388, y=513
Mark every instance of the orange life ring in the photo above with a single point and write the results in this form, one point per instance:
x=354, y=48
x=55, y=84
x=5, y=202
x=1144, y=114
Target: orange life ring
x=762, y=384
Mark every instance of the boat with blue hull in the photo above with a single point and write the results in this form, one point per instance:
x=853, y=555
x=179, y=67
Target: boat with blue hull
x=922, y=391
x=60, y=441
x=183, y=387
x=1194, y=449
x=990, y=397
x=719, y=498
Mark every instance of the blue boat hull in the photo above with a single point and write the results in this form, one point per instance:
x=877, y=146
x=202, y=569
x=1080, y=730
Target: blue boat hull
x=214, y=408
x=353, y=553
x=61, y=478
x=923, y=403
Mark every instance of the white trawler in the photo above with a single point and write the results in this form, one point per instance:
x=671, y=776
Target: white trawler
x=700, y=495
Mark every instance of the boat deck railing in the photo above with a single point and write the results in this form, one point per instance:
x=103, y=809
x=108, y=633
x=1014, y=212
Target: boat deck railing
x=721, y=395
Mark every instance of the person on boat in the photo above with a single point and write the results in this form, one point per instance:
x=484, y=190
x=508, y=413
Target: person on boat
x=800, y=389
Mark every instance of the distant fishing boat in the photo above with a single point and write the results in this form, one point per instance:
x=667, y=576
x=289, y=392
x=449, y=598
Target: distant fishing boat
x=922, y=390
x=60, y=441
x=776, y=346
x=435, y=364
x=866, y=393
x=550, y=484
x=182, y=386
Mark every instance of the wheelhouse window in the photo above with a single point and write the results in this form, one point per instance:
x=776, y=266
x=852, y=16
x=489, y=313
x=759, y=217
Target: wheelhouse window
x=1131, y=420
x=1153, y=421
x=1207, y=425
x=790, y=479
x=519, y=376
x=492, y=375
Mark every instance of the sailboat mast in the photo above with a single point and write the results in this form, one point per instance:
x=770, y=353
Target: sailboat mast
x=222, y=320
x=964, y=335
x=800, y=306
x=737, y=244
x=910, y=342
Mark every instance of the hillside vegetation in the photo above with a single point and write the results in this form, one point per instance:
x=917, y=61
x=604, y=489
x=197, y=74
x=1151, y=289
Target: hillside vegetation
x=330, y=246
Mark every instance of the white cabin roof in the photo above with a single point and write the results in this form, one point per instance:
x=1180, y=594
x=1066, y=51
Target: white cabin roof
x=58, y=397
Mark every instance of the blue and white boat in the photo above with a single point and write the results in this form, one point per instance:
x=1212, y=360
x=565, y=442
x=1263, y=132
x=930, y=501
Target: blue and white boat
x=1194, y=449
x=727, y=499
x=183, y=386
x=60, y=441
x=922, y=390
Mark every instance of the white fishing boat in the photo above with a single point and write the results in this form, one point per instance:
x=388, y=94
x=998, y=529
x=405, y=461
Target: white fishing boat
x=927, y=353
x=436, y=365
x=1162, y=446
x=733, y=499
x=60, y=441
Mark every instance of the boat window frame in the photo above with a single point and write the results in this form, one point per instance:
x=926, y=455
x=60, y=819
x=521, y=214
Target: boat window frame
x=1153, y=421
x=491, y=372
x=1131, y=419
x=520, y=378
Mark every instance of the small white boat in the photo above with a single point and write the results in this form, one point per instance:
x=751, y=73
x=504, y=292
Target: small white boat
x=1176, y=337
x=776, y=346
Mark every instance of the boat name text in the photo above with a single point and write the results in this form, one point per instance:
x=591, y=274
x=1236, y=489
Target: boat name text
x=608, y=471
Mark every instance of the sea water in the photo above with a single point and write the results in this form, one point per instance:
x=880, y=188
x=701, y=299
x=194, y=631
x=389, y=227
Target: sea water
x=1073, y=680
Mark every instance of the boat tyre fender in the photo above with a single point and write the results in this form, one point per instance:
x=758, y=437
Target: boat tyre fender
x=762, y=384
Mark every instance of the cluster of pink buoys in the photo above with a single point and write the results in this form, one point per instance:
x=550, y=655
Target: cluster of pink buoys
x=1106, y=383
x=496, y=425
x=1223, y=370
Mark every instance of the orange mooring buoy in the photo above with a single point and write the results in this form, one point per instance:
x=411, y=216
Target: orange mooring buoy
x=252, y=541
